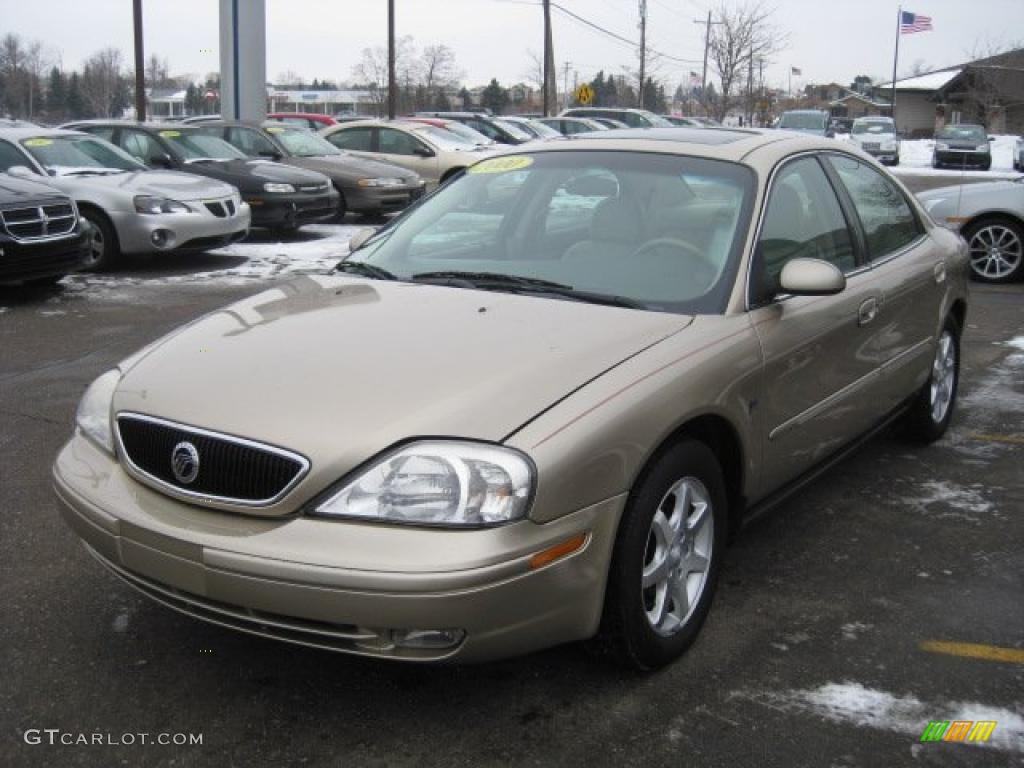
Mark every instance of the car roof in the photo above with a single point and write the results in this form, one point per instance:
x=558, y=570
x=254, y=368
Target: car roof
x=27, y=133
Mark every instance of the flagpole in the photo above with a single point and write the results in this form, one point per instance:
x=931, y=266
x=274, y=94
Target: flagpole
x=895, y=58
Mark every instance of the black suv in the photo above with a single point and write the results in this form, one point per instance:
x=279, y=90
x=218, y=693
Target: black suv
x=280, y=197
x=41, y=236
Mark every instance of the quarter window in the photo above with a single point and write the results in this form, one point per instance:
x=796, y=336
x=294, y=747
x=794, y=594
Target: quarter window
x=889, y=223
x=803, y=220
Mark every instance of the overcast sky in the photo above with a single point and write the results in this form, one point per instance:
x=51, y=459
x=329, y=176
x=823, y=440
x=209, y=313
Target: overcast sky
x=830, y=40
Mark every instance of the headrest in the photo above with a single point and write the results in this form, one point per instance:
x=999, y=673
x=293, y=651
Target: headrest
x=616, y=220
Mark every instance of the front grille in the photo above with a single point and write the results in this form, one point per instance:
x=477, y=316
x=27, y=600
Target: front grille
x=37, y=222
x=41, y=260
x=868, y=145
x=231, y=469
x=217, y=209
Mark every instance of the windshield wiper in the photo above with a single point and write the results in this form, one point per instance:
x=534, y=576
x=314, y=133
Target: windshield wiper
x=493, y=281
x=209, y=160
x=90, y=172
x=364, y=269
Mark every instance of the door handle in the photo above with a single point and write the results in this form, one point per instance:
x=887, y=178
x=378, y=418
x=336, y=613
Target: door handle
x=939, y=272
x=868, y=311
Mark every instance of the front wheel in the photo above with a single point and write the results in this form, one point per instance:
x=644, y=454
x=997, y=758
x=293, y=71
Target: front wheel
x=103, y=247
x=996, y=247
x=665, y=565
x=932, y=409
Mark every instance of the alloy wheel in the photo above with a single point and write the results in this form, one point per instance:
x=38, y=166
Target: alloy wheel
x=996, y=251
x=678, y=556
x=96, y=248
x=943, y=377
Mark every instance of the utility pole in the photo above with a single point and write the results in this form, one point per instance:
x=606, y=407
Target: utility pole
x=643, y=52
x=707, y=46
x=565, y=93
x=750, y=87
x=550, y=90
x=392, y=85
x=140, y=64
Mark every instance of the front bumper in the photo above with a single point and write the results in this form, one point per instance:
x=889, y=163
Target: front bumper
x=292, y=210
x=188, y=231
x=305, y=580
x=28, y=260
x=961, y=157
x=882, y=155
x=382, y=199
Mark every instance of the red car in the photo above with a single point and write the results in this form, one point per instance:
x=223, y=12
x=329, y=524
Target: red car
x=311, y=120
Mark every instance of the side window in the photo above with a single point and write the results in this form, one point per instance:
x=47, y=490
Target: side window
x=251, y=142
x=394, y=142
x=803, y=220
x=10, y=157
x=358, y=139
x=102, y=132
x=486, y=129
x=634, y=120
x=888, y=221
x=139, y=145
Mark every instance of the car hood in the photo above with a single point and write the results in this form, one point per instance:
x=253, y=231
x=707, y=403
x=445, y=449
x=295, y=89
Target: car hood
x=251, y=175
x=341, y=368
x=349, y=168
x=177, y=186
x=970, y=198
x=871, y=138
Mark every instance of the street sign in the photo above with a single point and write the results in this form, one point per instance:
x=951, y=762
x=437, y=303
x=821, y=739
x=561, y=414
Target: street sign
x=585, y=94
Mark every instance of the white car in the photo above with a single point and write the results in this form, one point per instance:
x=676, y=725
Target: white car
x=877, y=137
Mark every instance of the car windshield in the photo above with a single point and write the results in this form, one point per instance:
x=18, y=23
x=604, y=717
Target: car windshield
x=513, y=129
x=873, y=126
x=803, y=121
x=541, y=130
x=466, y=133
x=72, y=154
x=196, y=144
x=656, y=121
x=302, y=143
x=653, y=231
x=969, y=132
x=443, y=138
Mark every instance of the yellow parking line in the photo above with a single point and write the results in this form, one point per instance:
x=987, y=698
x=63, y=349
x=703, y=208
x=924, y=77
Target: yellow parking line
x=974, y=651
x=1012, y=439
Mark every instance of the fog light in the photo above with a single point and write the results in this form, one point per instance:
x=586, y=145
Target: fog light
x=427, y=638
x=160, y=237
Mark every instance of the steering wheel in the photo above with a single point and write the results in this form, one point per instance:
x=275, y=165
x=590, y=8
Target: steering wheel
x=704, y=270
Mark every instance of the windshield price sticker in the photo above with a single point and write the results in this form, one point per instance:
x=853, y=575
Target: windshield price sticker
x=272, y=129
x=38, y=142
x=502, y=165
x=170, y=134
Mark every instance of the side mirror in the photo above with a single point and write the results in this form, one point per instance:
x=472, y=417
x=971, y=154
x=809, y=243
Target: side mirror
x=811, y=277
x=270, y=154
x=359, y=239
x=422, y=151
x=22, y=172
x=991, y=138
x=162, y=160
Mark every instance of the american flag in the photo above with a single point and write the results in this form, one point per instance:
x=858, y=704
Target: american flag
x=914, y=22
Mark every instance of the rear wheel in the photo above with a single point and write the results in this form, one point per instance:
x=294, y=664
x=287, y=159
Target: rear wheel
x=103, y=246
x=665, y=564
x=932, y=410
x=996, y=248
x=342, y=206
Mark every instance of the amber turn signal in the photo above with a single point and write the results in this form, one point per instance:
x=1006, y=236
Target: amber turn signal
x=558, y=551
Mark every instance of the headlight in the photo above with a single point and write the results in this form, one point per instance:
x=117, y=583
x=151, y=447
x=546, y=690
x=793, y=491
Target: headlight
x=941, y=146
x=386, y=182
x=151, y=204
x=983, y=147
x=889, y=146
x=438, y=482
x=281, y=188
x=93, y=416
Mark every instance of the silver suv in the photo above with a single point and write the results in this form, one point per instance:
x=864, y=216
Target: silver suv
x=877, y=137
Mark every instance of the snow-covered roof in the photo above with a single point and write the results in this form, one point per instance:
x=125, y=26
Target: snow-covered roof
x=932, y=81
x=860, y=97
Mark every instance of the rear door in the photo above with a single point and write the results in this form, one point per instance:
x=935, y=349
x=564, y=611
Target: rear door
x=821, y=378
x=407, y=151
x=906, y=267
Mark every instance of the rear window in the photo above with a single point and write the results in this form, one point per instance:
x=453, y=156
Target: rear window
x=802, y=121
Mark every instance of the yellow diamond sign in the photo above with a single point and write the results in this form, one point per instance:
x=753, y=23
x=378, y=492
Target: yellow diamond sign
x=585, y=94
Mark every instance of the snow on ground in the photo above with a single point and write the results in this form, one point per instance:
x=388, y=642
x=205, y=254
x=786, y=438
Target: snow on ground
x=853, y=703
x=916, y=159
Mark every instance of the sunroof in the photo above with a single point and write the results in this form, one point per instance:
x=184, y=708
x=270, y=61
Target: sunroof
x=710, y=136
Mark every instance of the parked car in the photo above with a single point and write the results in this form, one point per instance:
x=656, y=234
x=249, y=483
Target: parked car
x=877, y=137
x=494, y=128
x=570, y=126
x=280, y=197
x=132, y=210
x=1018, y=155
x=532, y=126
x=42, y=237
x=200, y=119
x=364, y=186
x=706, y=122
x=844, y=125
x=374, y=470
x=433, y=153
x=312, y=121
x=813, y=122
x=634, y=118
x=990, y=216
x=608, y=122
x=461, y=130
x=962, y=146
x=685, y=122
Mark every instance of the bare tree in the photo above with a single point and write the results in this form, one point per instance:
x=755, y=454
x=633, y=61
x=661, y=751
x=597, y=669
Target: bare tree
x=741, y=36
x=372, y=69
x=157, y=72
x=102, y=85
x=12, y=73
x=534, y=73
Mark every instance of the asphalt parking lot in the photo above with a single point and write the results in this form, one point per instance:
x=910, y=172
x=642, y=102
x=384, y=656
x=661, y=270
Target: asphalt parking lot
x=815, y=654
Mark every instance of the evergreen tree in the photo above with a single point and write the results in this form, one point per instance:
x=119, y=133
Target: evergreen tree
x=467, y=97
x=57, y=95
x=76, y=108
x=193, y=100
x=494, y=97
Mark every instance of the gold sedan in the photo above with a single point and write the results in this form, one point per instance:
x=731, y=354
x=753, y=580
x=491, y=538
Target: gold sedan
x=532, y=409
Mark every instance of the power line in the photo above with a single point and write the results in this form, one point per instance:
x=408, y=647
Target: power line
x=616, y=36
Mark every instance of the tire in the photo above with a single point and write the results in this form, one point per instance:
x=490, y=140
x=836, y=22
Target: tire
x=932, y=409
x=996, y=248
x=104, y=246
x=342, y=206
x=935, y=162
x=988, y=165
x=645, y=627
x=896, y=160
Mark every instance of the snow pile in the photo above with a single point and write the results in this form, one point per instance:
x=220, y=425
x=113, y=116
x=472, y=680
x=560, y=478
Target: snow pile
x=916, y=158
